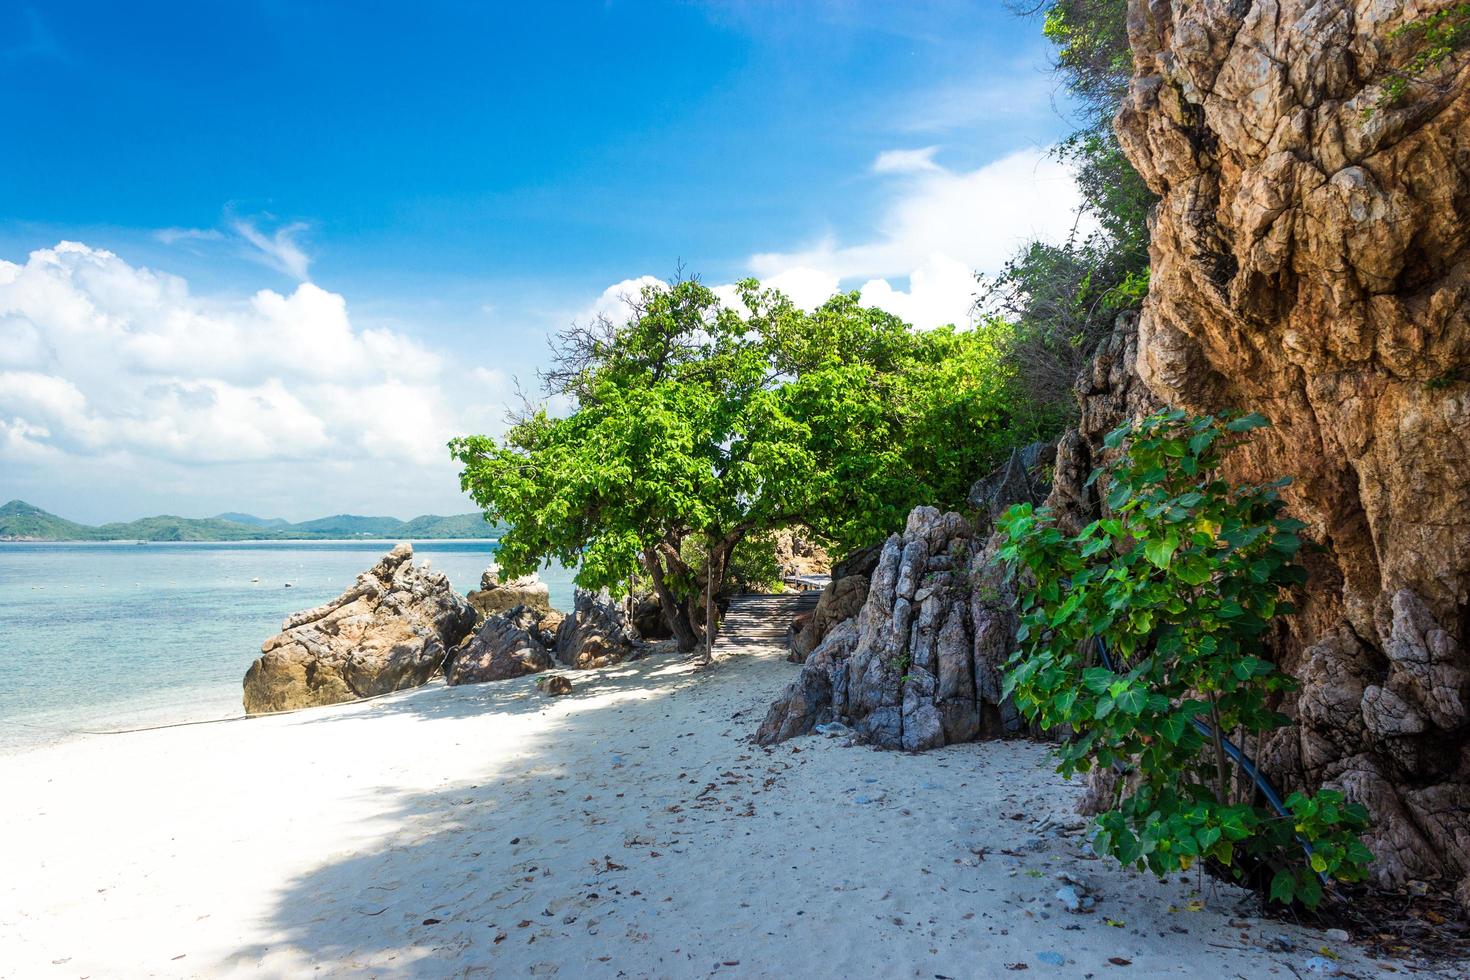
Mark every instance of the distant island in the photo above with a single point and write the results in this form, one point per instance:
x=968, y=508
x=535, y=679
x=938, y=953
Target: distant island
x=20, y=521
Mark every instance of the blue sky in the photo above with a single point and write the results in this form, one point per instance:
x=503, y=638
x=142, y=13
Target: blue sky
x=429, y=189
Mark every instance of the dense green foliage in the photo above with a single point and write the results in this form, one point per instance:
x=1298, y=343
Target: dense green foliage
x=20, y=521
x=1180, y=584
x=1064, y=297
x=700, y=423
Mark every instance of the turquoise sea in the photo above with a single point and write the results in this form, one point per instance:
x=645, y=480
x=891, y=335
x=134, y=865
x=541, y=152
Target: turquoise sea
x=99, y=637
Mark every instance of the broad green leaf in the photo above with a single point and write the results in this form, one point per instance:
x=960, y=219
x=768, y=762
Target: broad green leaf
x=1159, y=551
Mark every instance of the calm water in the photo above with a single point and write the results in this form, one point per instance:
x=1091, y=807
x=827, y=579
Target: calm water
x=107, y=636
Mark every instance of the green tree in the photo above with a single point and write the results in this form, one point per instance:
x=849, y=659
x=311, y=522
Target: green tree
x=696, y=424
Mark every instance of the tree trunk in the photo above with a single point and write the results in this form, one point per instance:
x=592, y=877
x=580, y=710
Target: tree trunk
x=675, y=613
x=709, y=602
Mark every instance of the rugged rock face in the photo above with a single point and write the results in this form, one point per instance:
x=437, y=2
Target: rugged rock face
x=495, y=597
x=1109, y=393
x=840, y=600
x=386, y=633
x=511, y=644
x=1311, y=261
x=917, y=667
x=797, y=556
x=596, y=634
x=648, y=618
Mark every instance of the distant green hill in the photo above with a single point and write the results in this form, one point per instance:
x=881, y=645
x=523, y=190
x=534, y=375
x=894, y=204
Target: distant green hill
x=351, y=526
x=252, y=520
x=169, y=528
x=458, y=526
x=20, y=521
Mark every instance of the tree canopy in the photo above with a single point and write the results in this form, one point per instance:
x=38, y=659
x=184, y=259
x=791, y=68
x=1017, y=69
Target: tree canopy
x=697, y=423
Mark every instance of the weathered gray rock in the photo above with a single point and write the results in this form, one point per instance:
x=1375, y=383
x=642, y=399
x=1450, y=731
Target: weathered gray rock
x=510, y=644
x=910, y=670
x=808, y=701
x=648, y=618
x=841, y=599
x=388, y=632
x=1023, y=477
x=596, y=634
x=495, y=596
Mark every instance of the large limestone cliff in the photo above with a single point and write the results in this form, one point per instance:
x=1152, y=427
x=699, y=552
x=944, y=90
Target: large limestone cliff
x=1311, y=261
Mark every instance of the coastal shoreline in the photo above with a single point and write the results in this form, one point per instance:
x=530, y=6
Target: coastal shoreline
x=107, y=636
x=628, y=827
x=178, y=706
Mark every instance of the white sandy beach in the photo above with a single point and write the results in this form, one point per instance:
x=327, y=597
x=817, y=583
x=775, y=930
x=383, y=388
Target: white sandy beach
x=629, y=829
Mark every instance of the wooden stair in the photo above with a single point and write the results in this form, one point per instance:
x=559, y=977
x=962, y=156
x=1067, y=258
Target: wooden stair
x=760, y=621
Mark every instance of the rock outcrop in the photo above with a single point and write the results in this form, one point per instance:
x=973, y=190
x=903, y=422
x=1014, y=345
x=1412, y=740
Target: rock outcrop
x=1109, y=393
x=840, y=600
x=796, y=556
x=514, y=643
x=495, y=596
x=388, y=632
x=918, y=666
x=1024, y=476
x=860, y=562
x=596, y=633
x=648, y=618
x=1311, y=261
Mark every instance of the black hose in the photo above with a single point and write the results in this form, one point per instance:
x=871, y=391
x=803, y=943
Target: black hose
x=1242, y=760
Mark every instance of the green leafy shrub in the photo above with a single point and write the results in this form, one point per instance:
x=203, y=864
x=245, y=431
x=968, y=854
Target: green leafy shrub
x=1180, y=584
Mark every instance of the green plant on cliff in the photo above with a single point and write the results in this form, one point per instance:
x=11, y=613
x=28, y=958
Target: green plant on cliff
x=1180, y=584
x=1433, y=39
x=1063, y=298
x=698, y=424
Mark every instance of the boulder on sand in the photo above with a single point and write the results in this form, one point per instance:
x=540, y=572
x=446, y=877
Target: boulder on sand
x=495, y=596
x=388, y=632
x=596, y=634
x=648, y=618
x=919, y=665
x=513, y=644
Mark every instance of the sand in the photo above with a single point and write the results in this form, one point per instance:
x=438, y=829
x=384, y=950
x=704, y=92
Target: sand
x=628, y=829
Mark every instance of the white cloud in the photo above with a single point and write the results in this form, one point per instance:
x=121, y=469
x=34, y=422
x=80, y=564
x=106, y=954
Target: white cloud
x=171, y=236
x=614, y=303
x=939, y=228
x=279, y=250
x=101, y=361
x=937, y=223
x=941, y=291
x=906, y=161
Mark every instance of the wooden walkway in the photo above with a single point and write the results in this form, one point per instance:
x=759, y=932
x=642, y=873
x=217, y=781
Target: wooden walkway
x=760, y=621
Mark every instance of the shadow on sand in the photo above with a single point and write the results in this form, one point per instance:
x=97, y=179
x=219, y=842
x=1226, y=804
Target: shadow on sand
x=454, y=872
